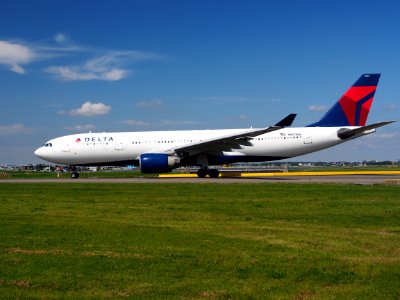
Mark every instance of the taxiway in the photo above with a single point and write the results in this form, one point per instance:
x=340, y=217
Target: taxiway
x=345, y=179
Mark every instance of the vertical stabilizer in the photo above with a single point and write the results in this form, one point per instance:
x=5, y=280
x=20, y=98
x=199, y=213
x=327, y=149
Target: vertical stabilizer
x=353, y=107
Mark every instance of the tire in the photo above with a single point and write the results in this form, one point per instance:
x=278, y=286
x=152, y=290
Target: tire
x=213, y=173
x=202, y=173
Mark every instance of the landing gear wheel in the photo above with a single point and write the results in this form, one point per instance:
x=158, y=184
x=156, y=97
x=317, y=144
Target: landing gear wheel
x=202, y=173
x=75, y=175
x=213, y=173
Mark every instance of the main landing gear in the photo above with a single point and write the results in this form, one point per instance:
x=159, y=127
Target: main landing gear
x=202, y=160
x=74, y=173
x=203, y=172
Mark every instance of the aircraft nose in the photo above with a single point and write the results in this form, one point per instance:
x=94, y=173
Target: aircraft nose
x=39, y=152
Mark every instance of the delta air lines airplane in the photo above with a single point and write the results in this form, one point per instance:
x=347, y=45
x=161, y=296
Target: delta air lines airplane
x=163, y=151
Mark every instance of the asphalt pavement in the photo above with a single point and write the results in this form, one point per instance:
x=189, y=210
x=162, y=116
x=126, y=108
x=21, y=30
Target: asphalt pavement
x=348, y=179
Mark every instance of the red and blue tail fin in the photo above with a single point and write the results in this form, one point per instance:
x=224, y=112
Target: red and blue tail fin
x=353, y=107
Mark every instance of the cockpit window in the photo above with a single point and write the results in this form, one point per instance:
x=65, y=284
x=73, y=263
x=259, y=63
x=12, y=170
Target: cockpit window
x=48, y=145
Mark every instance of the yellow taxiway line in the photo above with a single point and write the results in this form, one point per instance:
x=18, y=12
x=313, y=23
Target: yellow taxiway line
x=322, y=173
x=183, y=175
x=282, y=174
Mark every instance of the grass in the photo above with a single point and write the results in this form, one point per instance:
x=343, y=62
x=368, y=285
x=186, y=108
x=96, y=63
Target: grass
x=199, y=241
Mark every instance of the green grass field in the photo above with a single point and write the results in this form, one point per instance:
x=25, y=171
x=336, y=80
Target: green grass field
x=199, y=241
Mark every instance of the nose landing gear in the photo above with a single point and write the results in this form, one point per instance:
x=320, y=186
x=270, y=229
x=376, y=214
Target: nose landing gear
x=74, y=173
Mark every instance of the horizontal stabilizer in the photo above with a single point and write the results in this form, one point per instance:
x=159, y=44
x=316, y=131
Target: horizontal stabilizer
x=287, y=121
x=345, y=134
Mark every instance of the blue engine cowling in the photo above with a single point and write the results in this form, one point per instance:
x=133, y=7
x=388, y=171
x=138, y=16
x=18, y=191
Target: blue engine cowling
x=151, y=163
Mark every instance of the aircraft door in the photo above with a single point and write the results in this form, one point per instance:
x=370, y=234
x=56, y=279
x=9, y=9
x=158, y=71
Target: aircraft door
x=119, y=146
x=308, y=140
x=66, y=148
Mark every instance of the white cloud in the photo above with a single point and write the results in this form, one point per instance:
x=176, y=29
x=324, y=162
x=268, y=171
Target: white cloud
x=318, y=108
x=136, y=123
x=15, y=129
x=276, y=99
x=87, y=72
x=115, y=74
x=61, y=38
x=221, y=100
x=14, y=55
x=89, y=109
x=162, y=123
x=171, y=122
x=379, y=140
x=86, y=127
x=387, y=135
x=391, y=106
x=70, y=73
x=106, y=67
x=150, y=103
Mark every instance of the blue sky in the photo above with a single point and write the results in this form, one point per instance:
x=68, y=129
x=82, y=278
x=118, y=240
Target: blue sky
x=75, y=66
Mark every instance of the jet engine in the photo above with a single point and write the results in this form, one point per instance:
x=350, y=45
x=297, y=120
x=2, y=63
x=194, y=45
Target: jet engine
x=158, y=163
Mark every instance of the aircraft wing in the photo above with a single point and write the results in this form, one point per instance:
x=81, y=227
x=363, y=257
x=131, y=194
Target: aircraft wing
x=232, y=141
x=347, y=134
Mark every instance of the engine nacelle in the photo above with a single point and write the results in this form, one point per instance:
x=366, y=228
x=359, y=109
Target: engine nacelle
x=151, y=163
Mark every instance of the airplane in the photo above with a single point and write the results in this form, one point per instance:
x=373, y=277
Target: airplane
x=163, y=151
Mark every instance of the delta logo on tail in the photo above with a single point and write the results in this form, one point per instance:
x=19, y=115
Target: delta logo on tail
x=353, y=107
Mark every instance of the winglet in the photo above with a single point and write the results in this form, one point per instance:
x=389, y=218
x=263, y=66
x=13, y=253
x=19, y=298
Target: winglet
x=287, y=121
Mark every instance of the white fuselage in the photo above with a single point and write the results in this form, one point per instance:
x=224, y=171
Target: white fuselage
x=119, y=147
